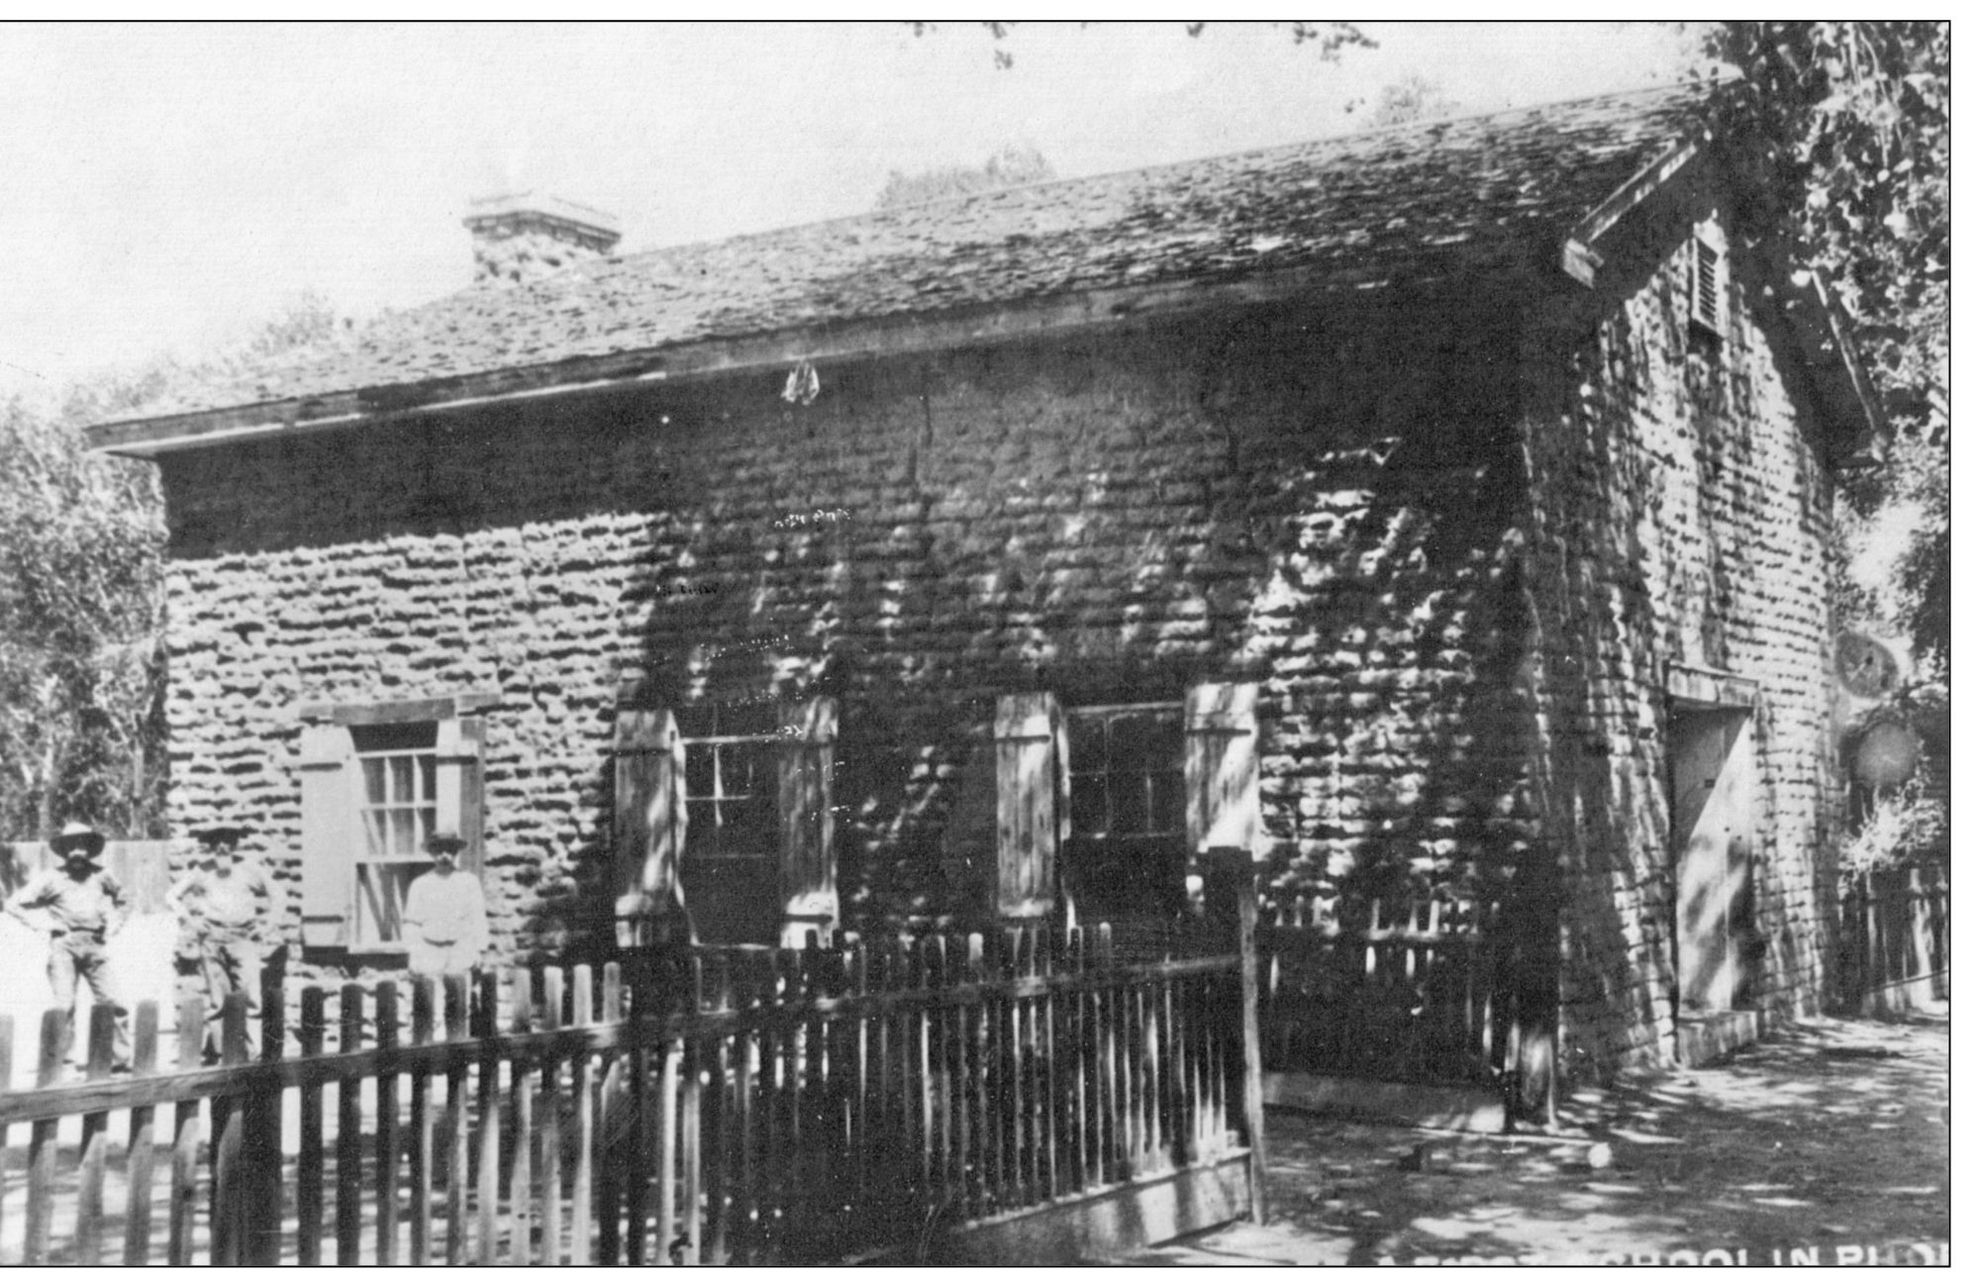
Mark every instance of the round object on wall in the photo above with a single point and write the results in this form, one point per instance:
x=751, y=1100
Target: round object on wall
x=1886, y=754
x=1868, y=668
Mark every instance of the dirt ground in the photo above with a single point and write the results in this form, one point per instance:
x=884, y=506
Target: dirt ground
x=1828, y=1144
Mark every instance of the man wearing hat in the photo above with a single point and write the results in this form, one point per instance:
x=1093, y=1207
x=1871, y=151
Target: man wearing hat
x=226, y=915
x=80, y=905
x=445, y=914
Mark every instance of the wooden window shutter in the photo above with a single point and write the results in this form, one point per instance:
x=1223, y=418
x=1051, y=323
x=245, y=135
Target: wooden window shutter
x=1224, y=803
x=649, y=772
x=330, y=835
x=805, y=752
x=457, y=785
x=1031, y=772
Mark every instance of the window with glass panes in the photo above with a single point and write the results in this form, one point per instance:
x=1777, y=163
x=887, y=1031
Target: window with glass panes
x=398, y=806
x=1127, y=850
x=730, y=870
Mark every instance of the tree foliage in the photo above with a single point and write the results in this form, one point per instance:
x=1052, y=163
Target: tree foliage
x=1010, y=166
x=1408, y=100
x=1846, y=125
x=1328, y=38
x=82, y=549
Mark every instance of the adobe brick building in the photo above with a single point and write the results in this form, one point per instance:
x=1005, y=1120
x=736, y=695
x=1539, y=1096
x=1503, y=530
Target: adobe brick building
x=1446, y=505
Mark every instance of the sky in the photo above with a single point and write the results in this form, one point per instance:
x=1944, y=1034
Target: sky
x=170, y=187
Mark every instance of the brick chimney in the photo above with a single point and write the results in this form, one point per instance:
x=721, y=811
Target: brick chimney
x=519, y=238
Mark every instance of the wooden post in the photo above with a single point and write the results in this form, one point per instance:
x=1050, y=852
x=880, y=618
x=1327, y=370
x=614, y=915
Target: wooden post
x=349, y=1132
x=41, y=1149
x=231, y=1186
x=186, y=1133
x=582, y=1221
x=420, y=1164
x=264, y=1130
x=137, y=1203
x=309, y=1157
x=487, y=1102
x=549, y=1163
x=1230, y=893
x=6, y=1084
x=94, y=1155
x=385, y=1134
x=453, y=1013
x=521, y=1101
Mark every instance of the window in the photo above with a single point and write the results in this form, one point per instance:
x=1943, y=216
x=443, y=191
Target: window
x=731, y=871
x=398, y=806
x=377, y=780
x=1127, y=849
x=723, y=812
x=1110, y=808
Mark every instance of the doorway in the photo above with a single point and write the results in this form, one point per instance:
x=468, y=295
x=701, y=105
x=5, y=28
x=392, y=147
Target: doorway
x=1713, y=775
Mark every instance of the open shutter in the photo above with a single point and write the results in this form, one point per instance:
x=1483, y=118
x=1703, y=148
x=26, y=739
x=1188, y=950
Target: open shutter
x=457, y=786
x=650, y=779
x=1031, y=769
x=1224, y=807
x=330, y=835
x=807, y=742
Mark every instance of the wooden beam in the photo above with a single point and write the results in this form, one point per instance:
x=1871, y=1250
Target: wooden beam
x=1579, y=259
x=1067, y=1231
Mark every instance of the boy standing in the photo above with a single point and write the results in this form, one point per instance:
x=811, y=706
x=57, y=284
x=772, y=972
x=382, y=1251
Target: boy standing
x=445, y=914
x=80, y=905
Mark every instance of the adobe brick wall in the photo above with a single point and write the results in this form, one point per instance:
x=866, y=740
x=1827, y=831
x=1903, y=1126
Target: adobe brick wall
x=1681, y=511
x=1322, y=500
x=1333, y=501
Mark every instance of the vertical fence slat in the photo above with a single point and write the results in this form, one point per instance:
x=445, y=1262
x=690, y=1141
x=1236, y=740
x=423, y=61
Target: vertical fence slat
x=95, y=1148
x=691, y=1181
x=454, y=1014
x=263, y=1237
x=231, y=1186
x=385, y=1138
x=521, y=1101
x=487, y=1109
x=583, y=1096
x=6, y=1084
x=610, y=1189
x=309, y=1154
x=349, y=1132
x=186, y=1134
x=549, y=1168
x=138, y=1157
x=41, y=1150
x=928, y=970
x=720, y=1098
x=419, y=1144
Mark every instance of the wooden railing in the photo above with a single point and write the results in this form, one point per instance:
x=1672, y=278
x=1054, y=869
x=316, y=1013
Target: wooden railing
x=1394, y=992
x=783, y=1106
x=1895, y=935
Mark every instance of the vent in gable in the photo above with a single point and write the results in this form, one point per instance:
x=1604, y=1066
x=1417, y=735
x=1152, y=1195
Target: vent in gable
x=1709, y=302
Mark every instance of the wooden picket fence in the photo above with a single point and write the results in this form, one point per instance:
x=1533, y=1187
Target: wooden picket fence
x=905, y=1099
x=1895, y=936
x=1402, y=991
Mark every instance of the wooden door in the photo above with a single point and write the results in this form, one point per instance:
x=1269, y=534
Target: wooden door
x=1713, y=774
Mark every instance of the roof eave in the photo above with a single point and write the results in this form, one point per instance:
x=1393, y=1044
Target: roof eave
x=1053, y=315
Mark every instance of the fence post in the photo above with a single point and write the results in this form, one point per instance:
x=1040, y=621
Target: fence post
x=263, y=1132
x=1230, y=893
